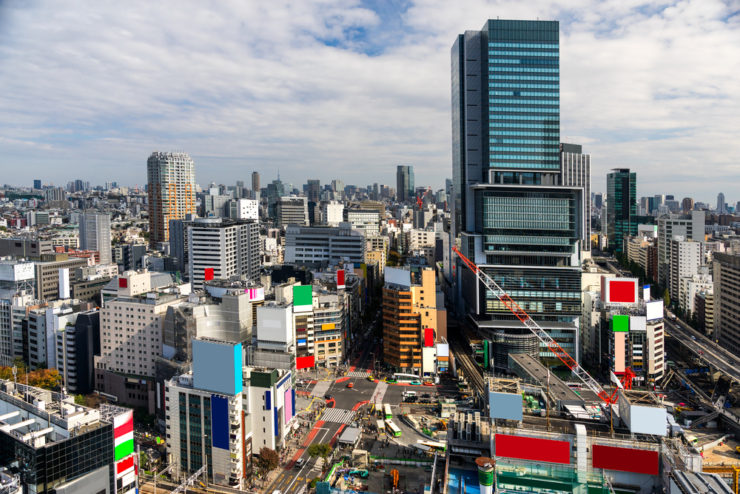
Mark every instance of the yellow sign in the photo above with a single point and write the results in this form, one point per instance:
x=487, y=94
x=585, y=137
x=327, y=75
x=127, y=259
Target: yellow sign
x=330, y=325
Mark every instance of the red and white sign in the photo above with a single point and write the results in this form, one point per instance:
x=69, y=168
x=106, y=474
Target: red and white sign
x=619, y=290
x=340, y=278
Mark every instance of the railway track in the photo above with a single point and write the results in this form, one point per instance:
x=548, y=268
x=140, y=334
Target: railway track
x=468, y=366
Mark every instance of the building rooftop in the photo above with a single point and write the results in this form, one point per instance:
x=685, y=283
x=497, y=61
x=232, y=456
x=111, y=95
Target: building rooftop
x=38, y=417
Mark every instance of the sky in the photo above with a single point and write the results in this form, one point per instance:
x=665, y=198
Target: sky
x=349, y=89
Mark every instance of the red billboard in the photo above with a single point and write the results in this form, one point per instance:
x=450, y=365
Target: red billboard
x=340, y=278
x=122, y=283
x=428, y=337
x=208, y=274
x=619, y=290
x=625, y=459
x=304, y=362
x=533, y=449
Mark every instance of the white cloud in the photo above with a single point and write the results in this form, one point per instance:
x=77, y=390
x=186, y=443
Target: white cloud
x=332, y=89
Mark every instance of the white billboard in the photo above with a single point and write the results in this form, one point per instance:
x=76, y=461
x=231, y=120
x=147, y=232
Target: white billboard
x=638, y=323
x=396, y=276
x=654, y=310
x=274, y=323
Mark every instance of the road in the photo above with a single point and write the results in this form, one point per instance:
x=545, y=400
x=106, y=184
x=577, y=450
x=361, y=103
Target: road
x=704, y=348
x=336, y=417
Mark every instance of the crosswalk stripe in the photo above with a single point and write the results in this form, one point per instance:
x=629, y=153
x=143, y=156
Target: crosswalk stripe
x=358, y=373
x=337, y=415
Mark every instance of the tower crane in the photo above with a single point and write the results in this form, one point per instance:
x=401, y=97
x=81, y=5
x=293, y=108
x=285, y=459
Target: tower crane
x=543, y=336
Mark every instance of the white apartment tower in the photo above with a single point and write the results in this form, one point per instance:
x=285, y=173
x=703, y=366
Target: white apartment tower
x=171, y=192
x=95, y=234
x=685, y=258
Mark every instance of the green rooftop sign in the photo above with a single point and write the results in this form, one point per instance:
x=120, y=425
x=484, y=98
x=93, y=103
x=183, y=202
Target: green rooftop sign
x=302, y=295
x=620, y=323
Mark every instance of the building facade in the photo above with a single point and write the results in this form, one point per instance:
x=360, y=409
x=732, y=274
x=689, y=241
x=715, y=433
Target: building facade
x=510, y=212
x=171, y=192
x=576, y=172
x=292, y=210
x=222, y=249
x=321, y=245
x=405, y=183
x=95, y=234
x=621, y=207
x=726, y=275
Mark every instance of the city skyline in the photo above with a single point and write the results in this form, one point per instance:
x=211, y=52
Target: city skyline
x=361, y=88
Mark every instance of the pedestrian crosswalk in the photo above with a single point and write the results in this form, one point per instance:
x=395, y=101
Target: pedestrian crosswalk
x=358, y=373
x=337, y=415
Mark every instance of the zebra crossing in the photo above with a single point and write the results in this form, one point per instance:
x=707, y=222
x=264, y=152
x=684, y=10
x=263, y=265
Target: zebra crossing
x=338, y=416
x=358, y=373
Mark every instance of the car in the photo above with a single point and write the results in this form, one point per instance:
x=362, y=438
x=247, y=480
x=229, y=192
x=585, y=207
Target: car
x=350, y=384
x=428, y=383
x=300, y=462
x=415, y=383
x=371, y=378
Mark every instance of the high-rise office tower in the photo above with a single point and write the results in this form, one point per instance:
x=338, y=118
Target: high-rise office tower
x=687, y=204
x=171, y=190
x=721, y=206
x=621, y=207
x=404, y=183
x=95, y=234
x=313, y=190
x=255, y=185
x=512, y=216
x=37, y=184
x=576, y=172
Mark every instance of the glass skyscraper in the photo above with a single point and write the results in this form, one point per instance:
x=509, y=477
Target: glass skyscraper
x=621, y=207
x=511, y=212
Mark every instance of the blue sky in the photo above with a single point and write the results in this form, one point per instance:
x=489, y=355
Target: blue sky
x=350, y=89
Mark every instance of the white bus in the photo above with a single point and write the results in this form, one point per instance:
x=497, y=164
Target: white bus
x=406, y=378
x=387, y=412
x=381, y=426
x=392, y=428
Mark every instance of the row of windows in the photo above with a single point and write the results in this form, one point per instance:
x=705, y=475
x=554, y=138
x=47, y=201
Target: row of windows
x=553, y=100
x=499, y=85
x=524, y=93
x=523, y=141
x=526, y=240
x=531, y=166
x=523, y=53
x=556, y=135
x=516, y=109
x=495, y=69
x=500, y=44
x=525, y=61
x=513, y=121
x=525, y=77
x=520, y=157
x=523, y=150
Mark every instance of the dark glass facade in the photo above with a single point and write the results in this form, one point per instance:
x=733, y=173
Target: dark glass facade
x=510, y=209
x=57, y=463
x=621, y=207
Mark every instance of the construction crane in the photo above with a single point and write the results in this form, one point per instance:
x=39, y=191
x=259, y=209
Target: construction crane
x=544, y=337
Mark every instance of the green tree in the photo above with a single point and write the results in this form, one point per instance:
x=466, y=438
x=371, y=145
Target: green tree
x=666, y=298
x=320, y=450
x=268, y=460
x=80, y=399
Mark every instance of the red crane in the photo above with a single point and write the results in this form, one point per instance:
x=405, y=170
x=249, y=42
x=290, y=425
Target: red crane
x=544, y=337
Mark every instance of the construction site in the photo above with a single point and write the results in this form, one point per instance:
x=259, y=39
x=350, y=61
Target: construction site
x=551, y=428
